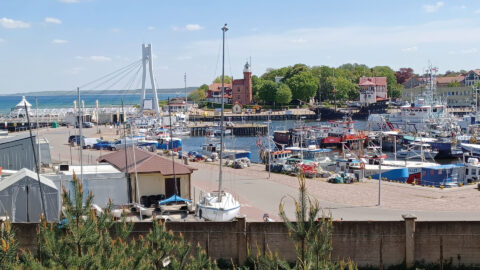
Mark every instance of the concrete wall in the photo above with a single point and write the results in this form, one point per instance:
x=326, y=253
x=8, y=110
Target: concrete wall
x=378, y=244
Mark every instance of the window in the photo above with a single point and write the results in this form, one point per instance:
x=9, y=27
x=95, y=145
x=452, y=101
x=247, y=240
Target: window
x=238, y=97
x=238, y=89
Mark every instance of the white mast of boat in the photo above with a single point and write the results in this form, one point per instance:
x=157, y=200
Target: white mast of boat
x=224, y=30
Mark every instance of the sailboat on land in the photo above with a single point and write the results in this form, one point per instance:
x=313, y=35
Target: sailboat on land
x=219, y=205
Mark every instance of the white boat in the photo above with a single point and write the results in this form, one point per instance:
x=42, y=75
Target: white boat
x=425, y=114
x=419, y=151
x=221, y=205
x=471, y=148
x=210, y=208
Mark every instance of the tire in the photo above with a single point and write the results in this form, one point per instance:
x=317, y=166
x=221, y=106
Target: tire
x=89, y=147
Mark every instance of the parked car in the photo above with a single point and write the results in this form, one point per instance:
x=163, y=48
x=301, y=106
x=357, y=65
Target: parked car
x=101, y=145
x=354, y=104
x=88, y=125
x=75, y=139
x=120, y=144
x=89, y=142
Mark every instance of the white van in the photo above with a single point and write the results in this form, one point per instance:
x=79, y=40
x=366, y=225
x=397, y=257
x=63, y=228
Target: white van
x=89, y=142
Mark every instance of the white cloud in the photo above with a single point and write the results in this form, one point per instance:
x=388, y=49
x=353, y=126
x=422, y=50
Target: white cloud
x=477, y=11
x=75, y=70
x=185, y=57
x=59, y=41
x=188, y=27
x=11, y=24
x=465, y=51
x=299, y=41
x=193, y=27
x=95, y=58
x=151, y=28
x=433, y=8
x=462, y=7
x=410, y=49
x=2, y=40
x=69, y=1
x=53, y=20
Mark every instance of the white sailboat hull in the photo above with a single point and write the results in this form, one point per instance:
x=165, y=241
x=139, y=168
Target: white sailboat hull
x=217, y=214
x=213, y=209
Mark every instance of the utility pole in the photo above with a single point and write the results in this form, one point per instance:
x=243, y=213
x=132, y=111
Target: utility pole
x=80, y=123
x=186, y=96
x=380, y=168
x=38, y=136
x=269, y=148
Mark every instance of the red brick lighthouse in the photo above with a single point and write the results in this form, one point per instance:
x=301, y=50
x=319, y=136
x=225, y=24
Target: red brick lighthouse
x=242, y=88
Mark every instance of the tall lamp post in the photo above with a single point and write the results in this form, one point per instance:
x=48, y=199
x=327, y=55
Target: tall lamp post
x=335, y=98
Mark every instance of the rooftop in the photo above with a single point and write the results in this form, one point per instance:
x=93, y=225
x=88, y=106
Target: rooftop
x=146, y=162
x=380, y=81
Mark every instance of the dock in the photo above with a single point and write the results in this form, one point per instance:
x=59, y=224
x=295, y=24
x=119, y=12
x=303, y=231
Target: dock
x=247, y=129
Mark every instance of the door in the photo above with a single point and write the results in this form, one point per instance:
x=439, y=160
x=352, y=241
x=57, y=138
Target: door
x=170, y=187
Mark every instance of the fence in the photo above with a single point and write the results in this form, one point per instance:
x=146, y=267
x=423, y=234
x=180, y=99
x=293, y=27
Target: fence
x=369, y=243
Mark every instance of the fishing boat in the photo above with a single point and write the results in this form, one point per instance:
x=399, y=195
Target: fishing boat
x=428, y=112
x=420, y=151
x=219, y=205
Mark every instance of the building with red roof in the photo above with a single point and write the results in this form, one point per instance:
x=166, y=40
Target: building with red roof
x=239, y=91
x=155, y=173
x=372, y=89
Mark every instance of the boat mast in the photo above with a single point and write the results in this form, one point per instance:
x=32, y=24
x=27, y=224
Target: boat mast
x=222, y=128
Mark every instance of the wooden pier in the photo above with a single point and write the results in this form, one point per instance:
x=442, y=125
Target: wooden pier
x=200, y=129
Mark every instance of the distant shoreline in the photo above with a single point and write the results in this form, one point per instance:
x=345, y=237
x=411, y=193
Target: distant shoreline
x=102, y=92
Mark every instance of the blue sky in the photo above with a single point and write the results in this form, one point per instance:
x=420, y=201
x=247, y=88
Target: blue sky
x=60, y=44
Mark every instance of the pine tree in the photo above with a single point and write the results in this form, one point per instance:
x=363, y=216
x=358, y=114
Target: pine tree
x=8, y=246
x=312, y=233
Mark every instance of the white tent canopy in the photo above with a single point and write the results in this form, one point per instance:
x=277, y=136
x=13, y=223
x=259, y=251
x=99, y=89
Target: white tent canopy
x=22, y=103
x=20, y=197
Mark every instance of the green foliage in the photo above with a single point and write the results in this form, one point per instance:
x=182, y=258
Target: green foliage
x=228, y=79
x=267, y=91
x=312, y=233
x=303, y=85
x=8, y=246
x=272, y=73
x=256, y=84
x=197, y=95
x=283, y=95
x=453, y=84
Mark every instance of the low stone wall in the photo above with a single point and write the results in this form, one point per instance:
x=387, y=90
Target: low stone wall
x=368, y=243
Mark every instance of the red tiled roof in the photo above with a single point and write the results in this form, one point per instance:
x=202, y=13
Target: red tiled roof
x=146, y=162
x=218, y=86
x=476, y=71
x=449, y=79
x=381, y=81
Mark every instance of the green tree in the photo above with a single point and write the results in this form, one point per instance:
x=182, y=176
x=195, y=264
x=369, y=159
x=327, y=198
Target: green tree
x=228, y=79
x=8, y=246
x=303, y=85
x=267, y=91
x=296, y=69
x=256, y=84
x=453, y=84
x=346, y=90
x=283, y=95
x=197, y=95
x=271, y=73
